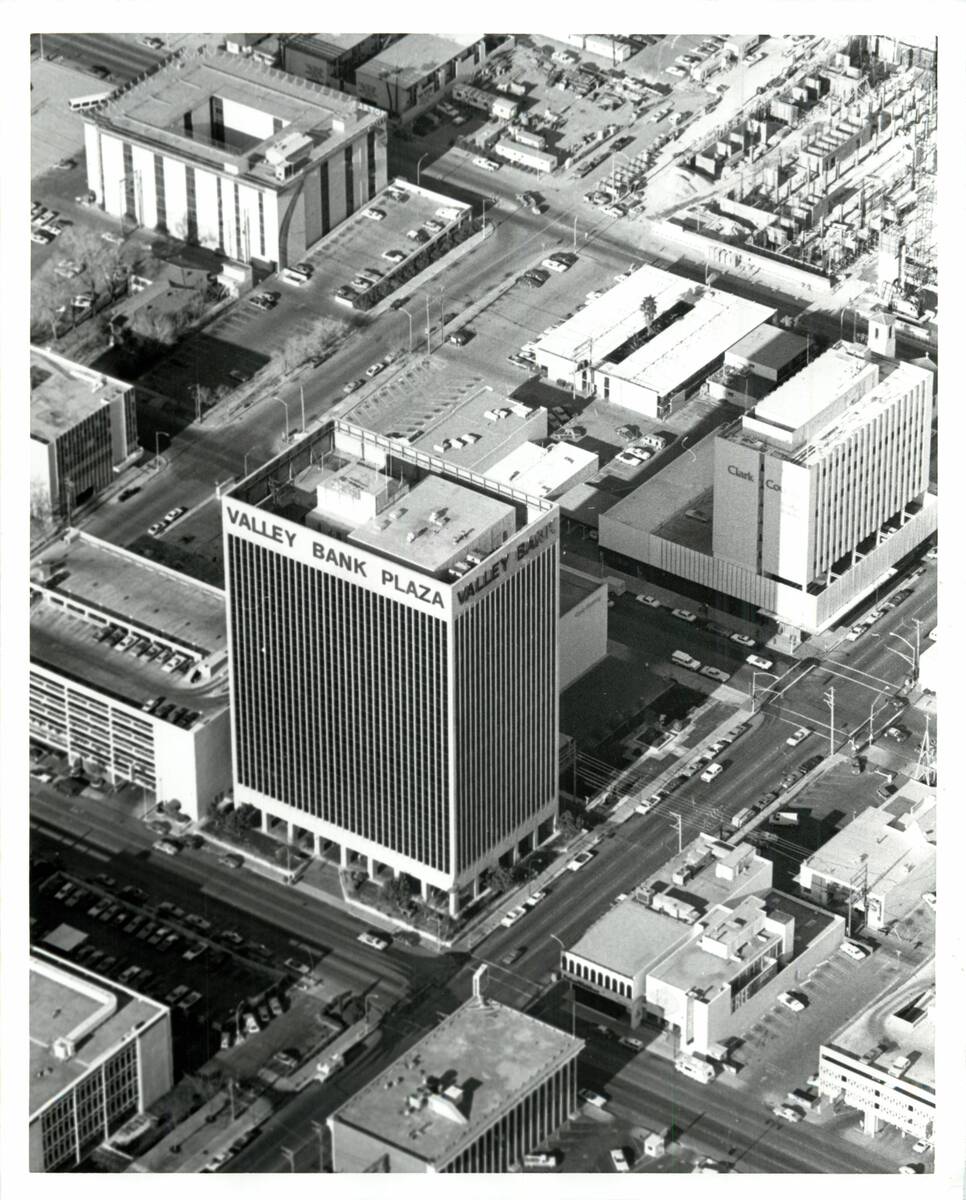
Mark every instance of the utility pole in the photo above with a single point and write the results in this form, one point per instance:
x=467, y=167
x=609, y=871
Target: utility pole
x=231, y=1096
x=289, y=1156
x=680, y=829
x=319, y=1128
x=429, y=348
x=829, y=698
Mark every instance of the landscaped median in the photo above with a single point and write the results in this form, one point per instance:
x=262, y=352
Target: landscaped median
x=233, y=830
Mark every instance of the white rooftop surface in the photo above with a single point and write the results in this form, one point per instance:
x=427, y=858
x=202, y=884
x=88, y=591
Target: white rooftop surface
x=630, y=937
x=894, y=844
x=541, y=471
x=667, y=361
x=810, y=390
x=616, y=315
x=895, y=385
x=466, y=519
x=416, y=54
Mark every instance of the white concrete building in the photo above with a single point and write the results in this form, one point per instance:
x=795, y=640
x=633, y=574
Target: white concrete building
x=647, y=341
x=99, y=1053
x=121, y=715
x=807, y=501
x=883, y=1063
x=83, y=432
x=882, y=862
x=221, y=150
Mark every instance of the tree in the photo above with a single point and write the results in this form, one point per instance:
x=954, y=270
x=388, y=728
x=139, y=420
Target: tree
x=497, y=878
x=648, y=311
x=47, y=295
x=399, y=893
x=567, y=826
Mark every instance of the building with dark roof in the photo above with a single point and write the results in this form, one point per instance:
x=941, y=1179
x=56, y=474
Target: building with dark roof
x=414, y=73
x=223, y=150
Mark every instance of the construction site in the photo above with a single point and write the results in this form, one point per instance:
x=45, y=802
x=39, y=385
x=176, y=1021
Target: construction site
x=832, y=174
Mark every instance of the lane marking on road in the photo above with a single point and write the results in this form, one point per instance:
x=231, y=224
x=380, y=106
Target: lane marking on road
x=856, y=671
x=879, y=691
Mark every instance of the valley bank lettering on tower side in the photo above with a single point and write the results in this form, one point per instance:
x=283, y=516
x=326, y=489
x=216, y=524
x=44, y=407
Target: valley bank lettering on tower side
x=392, y=647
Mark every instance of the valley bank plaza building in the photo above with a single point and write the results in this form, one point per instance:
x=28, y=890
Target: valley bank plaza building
x=393, y=655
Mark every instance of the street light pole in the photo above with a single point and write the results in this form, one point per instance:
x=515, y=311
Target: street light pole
x=158, y=434
x=302, y=399
x=279, y=400
x=429, y=346
x=419, y=164
x=289, y=1156
x=319, y=1128
x=829, y=698
x=409, y=317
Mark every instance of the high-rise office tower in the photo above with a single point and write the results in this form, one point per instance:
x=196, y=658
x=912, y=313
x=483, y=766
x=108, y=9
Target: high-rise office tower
x=392, y=627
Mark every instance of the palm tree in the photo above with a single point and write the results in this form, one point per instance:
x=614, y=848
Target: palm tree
x=648, y=311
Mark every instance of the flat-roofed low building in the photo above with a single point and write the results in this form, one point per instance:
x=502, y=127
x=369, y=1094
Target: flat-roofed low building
x=130, y=716
x=613, y=958
x=330, y=58
x=245, y=159
x=99, y=1053
x=881, y=862
x=883, y=1062
x=83, y=432
x=485, y=1087
x=648, y=341
x=415, y=72
x=545, y=470
x=770, y=353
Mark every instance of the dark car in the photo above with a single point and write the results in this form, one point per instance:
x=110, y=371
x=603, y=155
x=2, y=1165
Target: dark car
x=460, y=337
x=787, y=780
x=512, y=956
x=810, y=764
x=897, y=733
x=100, y=72
x=128, y=493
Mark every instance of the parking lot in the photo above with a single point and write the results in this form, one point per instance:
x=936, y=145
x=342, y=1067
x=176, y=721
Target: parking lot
x=387, y=240
x=195, y=963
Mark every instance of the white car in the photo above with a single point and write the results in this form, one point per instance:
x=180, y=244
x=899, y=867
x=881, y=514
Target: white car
x=644, y=807
x=554, y=264
x=711, y=773
x=581, y=860
x=156, y=529
x=374, y=940
x=787, y=1113
x=921, y=1147
x=855, y=633
x=394, y=256
x=683, y=614
x=174, y=514
x=763, y=664
x=800, y=734
x=649, y=601
x=741, y=640
x=619, y=1158
x=677, y=71
x=852, y=950
x=930, y=899
x=373, y=371
x=791, y=1002
x=374, y=214
x=594, y=1098
x=487, y=164
x=534, y=900
x=513, y=916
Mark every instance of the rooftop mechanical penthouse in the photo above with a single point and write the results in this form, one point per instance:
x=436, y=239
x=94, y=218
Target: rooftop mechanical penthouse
x=393, y=652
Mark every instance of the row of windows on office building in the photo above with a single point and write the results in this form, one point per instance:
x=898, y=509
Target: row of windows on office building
x=506, y=707
x=602, y=979
x=91, y=1110
x=84, y=457
x=89, y=728
x=340, y=702
x=523, y=1128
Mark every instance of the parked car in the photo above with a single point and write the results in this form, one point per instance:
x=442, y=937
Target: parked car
x=513, y=916
x=512, y=956
x=594, y=1098
x=650, y=601
x=763, y=664
x=711, y=773
x=373, y=371
x=581, y=860
x=460, y=337
x=684, y=614
x=618, y=1156
x=788, y=1113
x=791, y=1002
x=854, y=951
x=376, y=940
x=374, y=214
